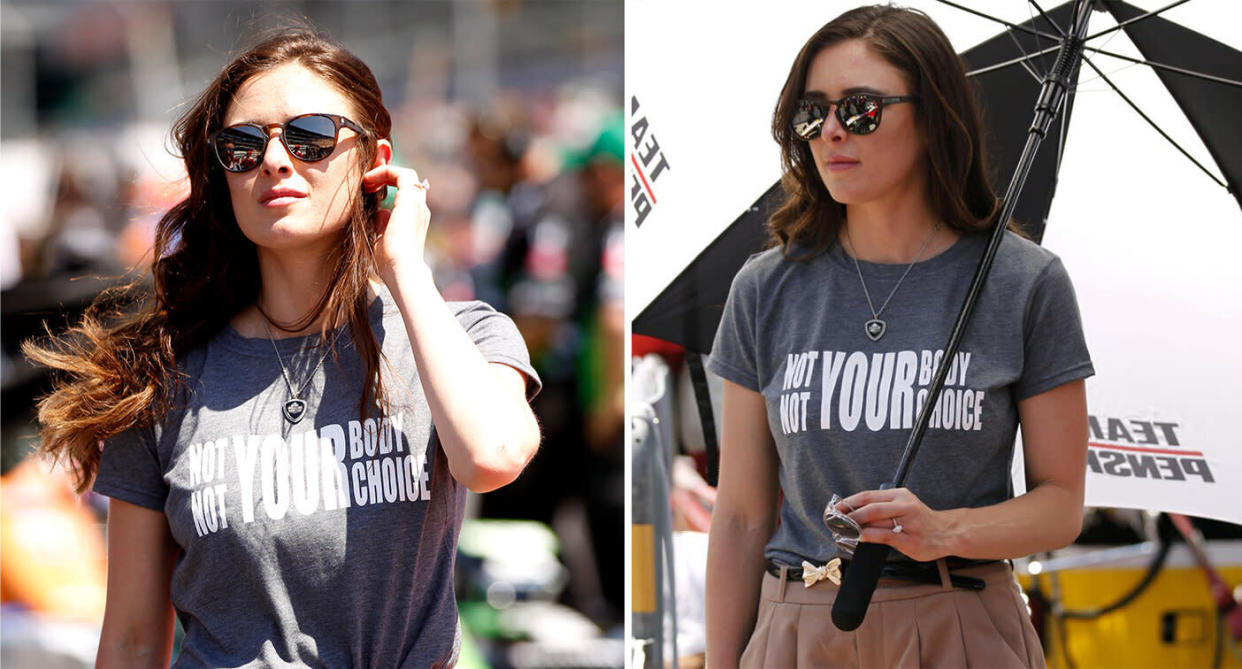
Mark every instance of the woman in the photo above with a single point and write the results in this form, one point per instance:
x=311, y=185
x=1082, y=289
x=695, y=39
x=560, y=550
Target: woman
x=828, y=343
x=292, y=420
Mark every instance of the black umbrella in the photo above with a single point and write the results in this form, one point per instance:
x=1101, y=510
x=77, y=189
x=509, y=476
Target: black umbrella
x=1203, y=75
x=689, y=309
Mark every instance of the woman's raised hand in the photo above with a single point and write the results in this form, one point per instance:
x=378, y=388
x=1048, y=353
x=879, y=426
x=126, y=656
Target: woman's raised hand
x=402, y=229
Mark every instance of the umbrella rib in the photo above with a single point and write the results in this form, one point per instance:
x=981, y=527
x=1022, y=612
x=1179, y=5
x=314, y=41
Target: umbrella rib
x=1152, y=123
x=1140, y=17
x=1024, y=62
x=1048, y=18
x=1170, y=68
x=1012, y=61
x=1003, y=22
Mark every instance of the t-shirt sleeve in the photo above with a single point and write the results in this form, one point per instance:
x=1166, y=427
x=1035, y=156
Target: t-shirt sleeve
x=1054, y=348
x=130, y=470
x=733, y=351
x=498, y=339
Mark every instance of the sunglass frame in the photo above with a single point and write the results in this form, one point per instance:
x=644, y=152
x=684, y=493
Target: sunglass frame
x=338, y=122
x=823, y=107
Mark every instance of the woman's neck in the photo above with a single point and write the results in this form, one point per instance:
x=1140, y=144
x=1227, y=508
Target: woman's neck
x=292, y=285
x=893, y=233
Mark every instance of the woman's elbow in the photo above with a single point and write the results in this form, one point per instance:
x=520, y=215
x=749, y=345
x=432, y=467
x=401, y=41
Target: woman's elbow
x=502, y=462
x=1067, y=522
x=133, y=648
x=1071, y=526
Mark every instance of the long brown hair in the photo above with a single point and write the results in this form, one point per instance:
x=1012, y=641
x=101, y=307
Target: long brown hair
x=118, y=368
x=957, y=173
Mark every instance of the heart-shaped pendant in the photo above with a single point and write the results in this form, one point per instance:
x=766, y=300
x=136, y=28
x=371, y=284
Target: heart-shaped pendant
x=294, y=410
x=875, y=329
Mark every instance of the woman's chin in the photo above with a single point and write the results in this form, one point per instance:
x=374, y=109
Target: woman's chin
x=288, y=234
x=287, y=231
x=846, y=196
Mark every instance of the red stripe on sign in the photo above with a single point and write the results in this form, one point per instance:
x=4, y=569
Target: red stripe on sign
x=643, y=177
x=1144, y=450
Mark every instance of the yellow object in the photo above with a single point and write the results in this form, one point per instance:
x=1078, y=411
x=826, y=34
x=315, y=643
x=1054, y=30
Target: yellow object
x=1171, y=624
x=642, y=567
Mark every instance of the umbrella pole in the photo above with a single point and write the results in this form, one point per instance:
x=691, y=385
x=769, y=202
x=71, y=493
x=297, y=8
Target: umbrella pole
x=864, y=571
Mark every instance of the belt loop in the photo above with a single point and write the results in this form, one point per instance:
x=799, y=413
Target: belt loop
x=780, y=595
x=943, y=568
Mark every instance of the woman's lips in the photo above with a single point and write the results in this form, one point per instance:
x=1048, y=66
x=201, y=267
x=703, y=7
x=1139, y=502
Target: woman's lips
x=281, y=201
x=281, y=197
x=841, y=165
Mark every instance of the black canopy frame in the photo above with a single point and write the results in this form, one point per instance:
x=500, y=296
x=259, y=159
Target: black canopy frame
x=1203, y=76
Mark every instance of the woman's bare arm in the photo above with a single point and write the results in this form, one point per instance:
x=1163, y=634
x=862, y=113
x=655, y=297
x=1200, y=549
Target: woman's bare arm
x=742, y=523
x=1048, y=516
x=480, y=410
x=482, y=417
x=138, y=615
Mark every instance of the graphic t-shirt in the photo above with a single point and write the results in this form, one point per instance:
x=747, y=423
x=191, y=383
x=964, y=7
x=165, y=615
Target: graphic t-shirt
x=841, y=406
x=326, y=543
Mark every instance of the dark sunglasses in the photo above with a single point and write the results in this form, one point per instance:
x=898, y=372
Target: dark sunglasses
x=845, y=530
x=309, y=137
x=858, y=113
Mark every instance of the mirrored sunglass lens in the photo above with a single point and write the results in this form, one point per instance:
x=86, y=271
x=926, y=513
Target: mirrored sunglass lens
x=310, y=138
x=808, y=119
x=859, y=114
x=241, y=147
x=843, y=525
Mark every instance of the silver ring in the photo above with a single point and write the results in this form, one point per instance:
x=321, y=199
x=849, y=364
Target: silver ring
x=896, y=527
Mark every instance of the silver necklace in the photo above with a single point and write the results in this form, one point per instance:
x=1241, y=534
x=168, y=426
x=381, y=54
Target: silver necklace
x=875, y=328
x=295, y=406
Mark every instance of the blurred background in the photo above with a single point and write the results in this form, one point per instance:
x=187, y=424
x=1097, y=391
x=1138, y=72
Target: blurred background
x=512, y=108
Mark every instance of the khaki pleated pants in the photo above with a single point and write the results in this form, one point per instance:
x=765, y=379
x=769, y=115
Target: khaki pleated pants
x=907, y=625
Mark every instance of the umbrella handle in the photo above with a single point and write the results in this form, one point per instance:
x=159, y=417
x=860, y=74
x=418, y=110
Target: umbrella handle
x=858, y=585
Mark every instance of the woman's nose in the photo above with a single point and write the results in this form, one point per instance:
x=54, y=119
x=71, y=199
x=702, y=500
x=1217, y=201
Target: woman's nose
x=831, y=129
x=276, y=158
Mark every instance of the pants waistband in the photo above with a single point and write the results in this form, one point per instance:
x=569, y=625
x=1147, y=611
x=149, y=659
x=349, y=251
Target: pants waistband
x=917, y=572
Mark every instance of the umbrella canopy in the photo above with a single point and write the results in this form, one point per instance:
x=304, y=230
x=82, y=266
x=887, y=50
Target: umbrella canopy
x=1148, y=237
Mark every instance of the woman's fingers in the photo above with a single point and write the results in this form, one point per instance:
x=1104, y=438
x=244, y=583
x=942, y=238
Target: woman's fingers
x=381, y=220
x=859, y=500
x=402, y=230
x=880, y=513
x=406, y=181
x=384, y=175
x=874, y=535
x=377, y=178
x=404, y=178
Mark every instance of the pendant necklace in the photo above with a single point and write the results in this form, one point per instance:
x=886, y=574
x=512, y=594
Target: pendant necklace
x=875, y=327
x=295, y=406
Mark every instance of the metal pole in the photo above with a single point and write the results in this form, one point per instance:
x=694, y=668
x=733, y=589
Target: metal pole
x=645, y=618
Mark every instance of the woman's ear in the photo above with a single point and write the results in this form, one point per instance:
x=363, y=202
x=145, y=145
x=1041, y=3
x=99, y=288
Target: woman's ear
x=383, y=153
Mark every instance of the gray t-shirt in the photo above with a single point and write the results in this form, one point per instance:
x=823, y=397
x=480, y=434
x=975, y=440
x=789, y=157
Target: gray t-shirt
x=840, y=406
x=329, y=543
